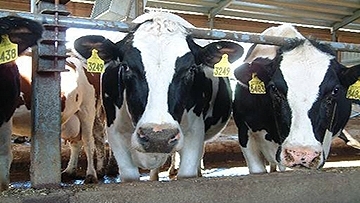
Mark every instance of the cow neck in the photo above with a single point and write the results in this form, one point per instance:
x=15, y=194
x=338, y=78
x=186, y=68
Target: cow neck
x=25, y=97
x=94, y=80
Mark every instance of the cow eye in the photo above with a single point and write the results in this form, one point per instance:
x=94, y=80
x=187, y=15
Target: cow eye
x=125, y=67
x=273, y=88
x=335, y=91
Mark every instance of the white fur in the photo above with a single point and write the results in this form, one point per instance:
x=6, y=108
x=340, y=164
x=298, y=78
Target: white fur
x=259, y=151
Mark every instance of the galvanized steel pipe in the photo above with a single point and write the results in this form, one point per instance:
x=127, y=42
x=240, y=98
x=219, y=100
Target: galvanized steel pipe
x=88, y=23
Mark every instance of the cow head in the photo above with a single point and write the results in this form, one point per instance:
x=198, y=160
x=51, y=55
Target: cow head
x=159, y=66
x=306, y=92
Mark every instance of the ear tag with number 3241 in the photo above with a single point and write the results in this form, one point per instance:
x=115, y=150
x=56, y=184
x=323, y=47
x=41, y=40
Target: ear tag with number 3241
x=95, y=64
x=354, y=91
x=256, y=86
x=8, y=50
x=222, y=68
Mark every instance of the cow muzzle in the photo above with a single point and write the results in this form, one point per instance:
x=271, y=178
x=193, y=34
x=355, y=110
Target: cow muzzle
x=158, y=138
x=301, y=157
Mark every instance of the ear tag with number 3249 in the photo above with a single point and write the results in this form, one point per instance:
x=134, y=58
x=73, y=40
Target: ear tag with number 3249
x=8, y=50
x=95, y=64
x=256, y=86
x=354, y=91
x=222, y=68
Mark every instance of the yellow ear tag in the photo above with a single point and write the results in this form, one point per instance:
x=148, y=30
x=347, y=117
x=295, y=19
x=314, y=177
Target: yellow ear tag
x=256, y=86
x=8, y=50
x=354, y=91
x=95, y=64
x=222, y=68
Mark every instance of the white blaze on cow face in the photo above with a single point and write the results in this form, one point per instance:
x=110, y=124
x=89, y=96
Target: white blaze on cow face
x=160, y=42
x=303, y=69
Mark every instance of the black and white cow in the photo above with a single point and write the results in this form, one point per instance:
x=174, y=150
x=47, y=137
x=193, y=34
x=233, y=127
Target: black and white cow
x=303, y=108
x=162, y=97
x=25, y=33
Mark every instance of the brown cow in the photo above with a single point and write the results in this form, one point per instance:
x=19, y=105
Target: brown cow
x=81, y=113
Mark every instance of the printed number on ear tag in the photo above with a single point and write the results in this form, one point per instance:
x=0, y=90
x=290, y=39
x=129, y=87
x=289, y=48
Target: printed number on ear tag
x=222, y=68
x=95, y=64
x=8, y=50
x=354, y=91
x=256, y=86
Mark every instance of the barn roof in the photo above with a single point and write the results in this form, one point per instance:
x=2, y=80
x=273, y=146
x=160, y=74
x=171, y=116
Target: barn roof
x=332, y=14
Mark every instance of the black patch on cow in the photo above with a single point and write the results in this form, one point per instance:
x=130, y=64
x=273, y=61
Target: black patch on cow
x=10, y=90
x=135, y=84
x=268, y=137
x=25, y=33
x=112, y=91
x=260, y=111
x=332, y=109
x=201, y=94
x=222, y=104
x=180, y=94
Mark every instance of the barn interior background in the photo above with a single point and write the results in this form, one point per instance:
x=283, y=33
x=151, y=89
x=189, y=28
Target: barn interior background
x=327, y=20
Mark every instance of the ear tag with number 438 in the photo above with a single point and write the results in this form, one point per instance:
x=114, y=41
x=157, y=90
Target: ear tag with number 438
x=354, y=91
x=8, y=50
x=95, y=64
x=222, y=68
x=256, y=86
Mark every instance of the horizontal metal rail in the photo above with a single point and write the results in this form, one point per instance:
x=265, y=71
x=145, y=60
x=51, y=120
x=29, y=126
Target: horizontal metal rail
x=88, y=23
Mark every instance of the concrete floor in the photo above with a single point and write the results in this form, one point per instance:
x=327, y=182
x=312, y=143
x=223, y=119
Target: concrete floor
x=340, y=185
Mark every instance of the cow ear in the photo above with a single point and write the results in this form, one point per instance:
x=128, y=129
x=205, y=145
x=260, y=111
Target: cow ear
x=21, y=31
x=349, y=76
x=107, y=50
x=212, y=53
x=262, y=67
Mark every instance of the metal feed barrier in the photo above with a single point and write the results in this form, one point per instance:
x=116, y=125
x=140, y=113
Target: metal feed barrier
x=49, y=59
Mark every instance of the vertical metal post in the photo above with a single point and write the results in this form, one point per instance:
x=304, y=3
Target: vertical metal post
x=334, y=38
x=48, y=62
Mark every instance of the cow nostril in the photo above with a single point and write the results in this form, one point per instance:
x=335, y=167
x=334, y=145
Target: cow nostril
x=142, y=136
x=174, y=138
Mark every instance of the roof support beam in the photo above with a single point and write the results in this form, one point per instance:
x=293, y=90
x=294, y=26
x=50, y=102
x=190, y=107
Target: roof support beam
x=221, y=5
x=346, y=21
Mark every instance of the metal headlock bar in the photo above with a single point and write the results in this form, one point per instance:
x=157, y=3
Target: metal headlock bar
x=77, y=22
